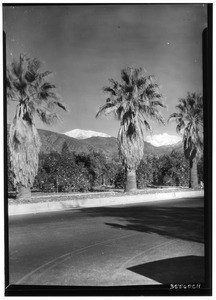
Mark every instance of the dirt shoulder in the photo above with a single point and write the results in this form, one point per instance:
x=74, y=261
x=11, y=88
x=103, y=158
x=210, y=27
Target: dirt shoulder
x=55, y=197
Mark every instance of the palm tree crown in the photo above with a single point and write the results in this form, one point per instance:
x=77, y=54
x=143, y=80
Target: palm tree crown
x=133, y=101
x=31, y=89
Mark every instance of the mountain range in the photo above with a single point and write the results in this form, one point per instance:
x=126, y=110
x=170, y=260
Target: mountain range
x=53, y=141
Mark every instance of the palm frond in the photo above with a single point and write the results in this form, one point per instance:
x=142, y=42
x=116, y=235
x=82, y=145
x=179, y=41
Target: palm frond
x=47, y=117
x=114, y=84
x=34, y=65
x=53, y=102
x=147, y=126
x=61, y=105
x=125, y=76
x=109, y=90
x=145, y=122
x=180, y=126
x=9, y=86
x=119, y=112
x=158, y=102
x=20, y=66
x=106, y=109
x=32, y=71
x=173, y=117
x=158, y=117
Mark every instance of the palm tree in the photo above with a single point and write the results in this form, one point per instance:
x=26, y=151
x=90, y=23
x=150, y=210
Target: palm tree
x=132, y=101
x=189, y=119
x=35, y=96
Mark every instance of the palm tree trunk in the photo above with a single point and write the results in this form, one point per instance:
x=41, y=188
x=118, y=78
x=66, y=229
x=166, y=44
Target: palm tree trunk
x=193, y=176
x=24, y=143
x=23, y=193
x=131, y=184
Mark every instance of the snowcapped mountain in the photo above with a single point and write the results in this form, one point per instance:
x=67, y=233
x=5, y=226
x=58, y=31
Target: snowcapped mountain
x=81, y=134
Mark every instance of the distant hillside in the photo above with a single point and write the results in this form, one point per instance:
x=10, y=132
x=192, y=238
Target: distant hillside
x=53, y=141
x=177, y=147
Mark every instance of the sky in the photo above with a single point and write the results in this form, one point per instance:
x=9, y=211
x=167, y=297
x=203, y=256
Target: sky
x=85, y=45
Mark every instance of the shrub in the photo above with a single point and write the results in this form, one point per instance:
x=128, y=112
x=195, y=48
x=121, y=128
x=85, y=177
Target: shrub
x=76, y=180
x=120, y=178
x=49, y=187
x=145, y=172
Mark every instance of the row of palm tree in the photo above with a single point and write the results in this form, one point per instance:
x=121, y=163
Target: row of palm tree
x=134, y=101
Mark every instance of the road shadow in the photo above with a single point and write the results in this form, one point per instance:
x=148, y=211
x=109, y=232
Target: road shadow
x=176, y=220
x=185, y=269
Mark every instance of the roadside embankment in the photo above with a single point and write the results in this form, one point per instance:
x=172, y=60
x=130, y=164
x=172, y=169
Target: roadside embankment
x=71, y=203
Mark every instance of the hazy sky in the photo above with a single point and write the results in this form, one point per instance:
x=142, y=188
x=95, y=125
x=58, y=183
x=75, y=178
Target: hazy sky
x=85, y=45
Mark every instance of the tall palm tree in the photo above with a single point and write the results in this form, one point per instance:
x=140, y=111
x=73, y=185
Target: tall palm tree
x=189, y=119
x=133, y=100
x=35, y=96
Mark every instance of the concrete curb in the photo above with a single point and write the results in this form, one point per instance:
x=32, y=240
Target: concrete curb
x=34, y=208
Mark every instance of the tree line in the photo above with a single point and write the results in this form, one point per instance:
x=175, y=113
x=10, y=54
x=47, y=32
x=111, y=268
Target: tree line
x=71, y=172
x=134, y=101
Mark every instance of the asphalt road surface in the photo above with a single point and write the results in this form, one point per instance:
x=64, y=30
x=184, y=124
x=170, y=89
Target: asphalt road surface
x=143, y=244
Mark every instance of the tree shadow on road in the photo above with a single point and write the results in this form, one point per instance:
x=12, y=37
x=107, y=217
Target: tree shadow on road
x=181, y=270
x=184, y=222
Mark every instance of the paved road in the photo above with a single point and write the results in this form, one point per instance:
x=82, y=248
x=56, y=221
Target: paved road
x=150, y=243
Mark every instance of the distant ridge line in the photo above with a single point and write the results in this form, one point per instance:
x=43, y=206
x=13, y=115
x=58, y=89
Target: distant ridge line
x=53, y=141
